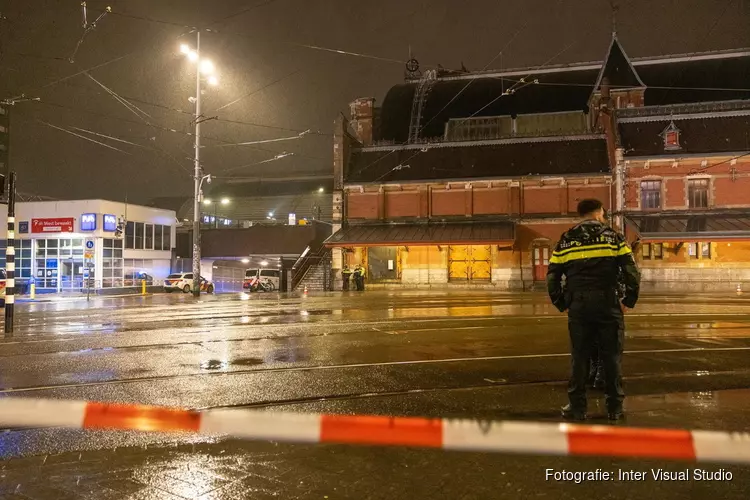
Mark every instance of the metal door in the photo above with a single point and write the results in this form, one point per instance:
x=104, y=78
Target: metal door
x=481, y=258
x=541, y=262
x=458, y=263
x=469, y=262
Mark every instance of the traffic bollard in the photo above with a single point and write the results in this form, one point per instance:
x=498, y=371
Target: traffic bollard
x=32, y=293
x=143, y=287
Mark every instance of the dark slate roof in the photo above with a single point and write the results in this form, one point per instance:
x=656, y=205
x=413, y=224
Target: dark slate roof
x=555, y=157
x=618, y=69
x=721, y=74
x=564, y=89
x=697, y=135
x=558, y=95
x=686, y=226
x=422, y=234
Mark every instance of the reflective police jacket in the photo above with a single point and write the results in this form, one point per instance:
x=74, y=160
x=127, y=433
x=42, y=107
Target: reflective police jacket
x=592, y=256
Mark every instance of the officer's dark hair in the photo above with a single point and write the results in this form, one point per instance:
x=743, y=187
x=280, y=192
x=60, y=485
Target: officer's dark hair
x=589, y=205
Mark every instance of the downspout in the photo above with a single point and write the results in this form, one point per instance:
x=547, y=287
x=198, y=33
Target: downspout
x=520, y=267
x=620, y=189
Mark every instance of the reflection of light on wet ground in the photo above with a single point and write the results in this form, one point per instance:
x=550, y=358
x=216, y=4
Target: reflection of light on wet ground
x=671, y=403
x=91, y=376
x=469, y=311
x=702, y=373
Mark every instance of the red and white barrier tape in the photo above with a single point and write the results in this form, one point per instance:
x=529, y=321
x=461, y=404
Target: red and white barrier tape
x=509, y=437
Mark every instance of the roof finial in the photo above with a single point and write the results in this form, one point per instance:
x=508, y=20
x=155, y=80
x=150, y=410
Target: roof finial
x=613, y=5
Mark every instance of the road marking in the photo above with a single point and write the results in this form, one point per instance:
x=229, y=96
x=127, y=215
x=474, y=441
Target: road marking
x=351, y=365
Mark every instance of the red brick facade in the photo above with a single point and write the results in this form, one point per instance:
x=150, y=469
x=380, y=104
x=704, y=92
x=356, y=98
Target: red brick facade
x=557, y=197
x=728, y=186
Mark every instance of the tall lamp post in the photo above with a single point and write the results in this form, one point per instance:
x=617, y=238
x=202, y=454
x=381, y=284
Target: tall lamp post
x=205, y=67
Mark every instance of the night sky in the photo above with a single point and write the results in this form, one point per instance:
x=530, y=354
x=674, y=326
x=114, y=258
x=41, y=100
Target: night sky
x=257, y=48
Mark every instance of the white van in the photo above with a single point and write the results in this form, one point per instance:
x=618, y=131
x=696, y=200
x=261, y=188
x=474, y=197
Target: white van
x=254, y=276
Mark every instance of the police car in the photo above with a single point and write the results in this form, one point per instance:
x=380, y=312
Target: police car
x=184, y=282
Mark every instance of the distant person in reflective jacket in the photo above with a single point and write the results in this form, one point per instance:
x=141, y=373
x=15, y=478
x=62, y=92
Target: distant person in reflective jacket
x=595, y=260
x=359, y=277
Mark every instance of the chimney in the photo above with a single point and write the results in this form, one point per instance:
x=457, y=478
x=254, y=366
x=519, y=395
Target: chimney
x=362, y=114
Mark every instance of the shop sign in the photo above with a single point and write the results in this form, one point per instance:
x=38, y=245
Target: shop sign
x=110, y=223
x=52, y=225
x=88, y=222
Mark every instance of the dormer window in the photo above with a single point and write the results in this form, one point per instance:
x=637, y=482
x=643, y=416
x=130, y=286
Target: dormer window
x=671, y=136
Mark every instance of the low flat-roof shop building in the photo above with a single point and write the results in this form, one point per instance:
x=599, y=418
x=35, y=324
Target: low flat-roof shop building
x=59, y=243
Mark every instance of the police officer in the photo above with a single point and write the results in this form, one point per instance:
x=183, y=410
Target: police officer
x=346, y=274
x=359, y=277
x=592, y=257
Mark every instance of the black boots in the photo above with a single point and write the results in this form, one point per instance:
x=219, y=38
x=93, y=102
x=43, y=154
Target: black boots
x=569, y=413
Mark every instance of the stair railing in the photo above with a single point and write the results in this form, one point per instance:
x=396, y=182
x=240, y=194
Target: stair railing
x=306, y=262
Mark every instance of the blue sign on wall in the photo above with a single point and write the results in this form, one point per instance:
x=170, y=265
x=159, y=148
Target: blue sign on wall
x=88, y=222
x=110, y=223
x=23, y=227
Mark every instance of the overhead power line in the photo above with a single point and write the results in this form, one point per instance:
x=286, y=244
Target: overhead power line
x=83, y=137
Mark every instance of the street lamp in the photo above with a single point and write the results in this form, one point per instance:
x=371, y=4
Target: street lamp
x=224, y=201
x=206, y=68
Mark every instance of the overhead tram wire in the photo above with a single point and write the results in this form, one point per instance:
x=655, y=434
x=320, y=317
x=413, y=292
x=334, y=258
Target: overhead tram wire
x=255, y=91
x=126, y=120
x=705, y=37
x=243, y=11
x=190, y=113
x=512, y=89
x=282, y=41
x=523, y=82
x=452, y=100
x=658, y=87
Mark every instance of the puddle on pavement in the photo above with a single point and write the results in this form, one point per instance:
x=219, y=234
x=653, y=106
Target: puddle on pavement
x=248, y=361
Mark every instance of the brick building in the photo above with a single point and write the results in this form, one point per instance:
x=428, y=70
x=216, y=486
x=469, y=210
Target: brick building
x=469, y=179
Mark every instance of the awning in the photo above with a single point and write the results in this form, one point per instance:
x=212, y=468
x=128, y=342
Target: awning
x=423, y=234
x=704, y=227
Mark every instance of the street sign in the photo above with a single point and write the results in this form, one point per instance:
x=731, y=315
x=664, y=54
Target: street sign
x=88, y=254
x=89, y=243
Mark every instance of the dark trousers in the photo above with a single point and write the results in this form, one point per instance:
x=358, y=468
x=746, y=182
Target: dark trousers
x=346, y=278
x=595, y=318
x=596, y=370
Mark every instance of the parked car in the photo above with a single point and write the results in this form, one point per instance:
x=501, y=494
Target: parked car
x=254, y=277
x=135, y=279
x=184, y=282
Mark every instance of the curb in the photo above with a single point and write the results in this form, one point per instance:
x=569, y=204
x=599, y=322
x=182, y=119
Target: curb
x=74, y=299
x=529, y=438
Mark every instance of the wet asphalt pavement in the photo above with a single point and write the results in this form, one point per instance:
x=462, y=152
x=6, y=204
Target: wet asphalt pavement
x=458, y=354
